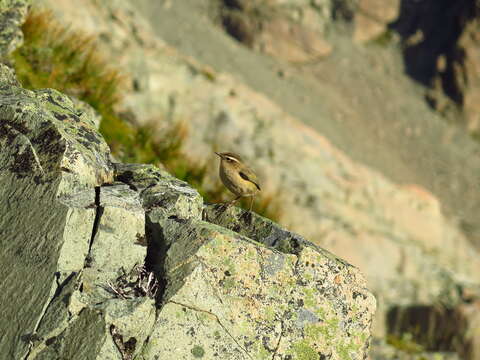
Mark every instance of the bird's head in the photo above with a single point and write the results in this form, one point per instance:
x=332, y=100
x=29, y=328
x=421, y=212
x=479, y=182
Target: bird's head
x=230, y=159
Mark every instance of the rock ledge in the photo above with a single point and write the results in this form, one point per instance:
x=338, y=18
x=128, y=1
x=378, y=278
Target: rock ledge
x=124, y=261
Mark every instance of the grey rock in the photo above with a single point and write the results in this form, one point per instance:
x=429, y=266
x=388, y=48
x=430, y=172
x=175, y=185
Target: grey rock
x=162, y=195
x=87, y=328
x=130, y=325
x=372, y=18
x=49, y=156
x=218, y=288
x=87, y=113
x=69, y=238
x=7, y=76
x=114, y=261
x=12, y=14
x=116, y=248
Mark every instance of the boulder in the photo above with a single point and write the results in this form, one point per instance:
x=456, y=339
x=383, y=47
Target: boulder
x=259, y=296
x=288, y=30
x=51, y=154
x=372, y=18
x=291, y=42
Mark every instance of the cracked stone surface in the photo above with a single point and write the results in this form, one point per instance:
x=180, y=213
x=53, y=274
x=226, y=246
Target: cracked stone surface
x=240, y=299
x=77, y=228
x=240, y=291
x=50, y=155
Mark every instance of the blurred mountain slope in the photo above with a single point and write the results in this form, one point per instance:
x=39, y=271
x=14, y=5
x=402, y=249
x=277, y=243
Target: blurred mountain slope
x=358, y=97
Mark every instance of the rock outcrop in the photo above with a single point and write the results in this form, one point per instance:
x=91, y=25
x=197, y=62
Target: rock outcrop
x=467, y=73
x=289, y=30
x=372, y=18
x=102, y=260
x=399, y=236
x=440, y=49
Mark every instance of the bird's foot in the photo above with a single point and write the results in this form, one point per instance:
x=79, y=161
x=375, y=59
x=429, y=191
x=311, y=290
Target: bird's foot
x=222, y=207
x=225, y=205
x=247, y=217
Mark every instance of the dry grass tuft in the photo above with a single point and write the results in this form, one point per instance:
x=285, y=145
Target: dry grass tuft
x=138, y=283
x=53, y=56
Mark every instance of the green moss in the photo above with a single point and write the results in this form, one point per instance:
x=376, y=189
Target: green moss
x=333, y=323
x=304, y=352
x=308, y=277
x=197, y=351
x=324, y=331
x=228, y=263
x=203, y=317
x=251, y=254
x=270, y=314
x=314, y=331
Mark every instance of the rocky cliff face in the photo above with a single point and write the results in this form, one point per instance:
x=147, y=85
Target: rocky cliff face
x=103, y=260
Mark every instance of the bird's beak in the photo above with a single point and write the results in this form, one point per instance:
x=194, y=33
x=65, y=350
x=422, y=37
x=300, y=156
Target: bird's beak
x=217, y=154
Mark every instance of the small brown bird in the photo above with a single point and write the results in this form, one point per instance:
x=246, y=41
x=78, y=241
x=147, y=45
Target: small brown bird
x=238, y=177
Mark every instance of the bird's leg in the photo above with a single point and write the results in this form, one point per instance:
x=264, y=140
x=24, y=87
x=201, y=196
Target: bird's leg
x=227, y=204
x=247, y=215
x=234, y=200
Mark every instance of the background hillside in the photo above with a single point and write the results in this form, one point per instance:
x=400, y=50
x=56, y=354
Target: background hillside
x=366, y=87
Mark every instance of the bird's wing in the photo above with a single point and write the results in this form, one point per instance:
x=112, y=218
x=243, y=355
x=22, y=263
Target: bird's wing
x=249, y=175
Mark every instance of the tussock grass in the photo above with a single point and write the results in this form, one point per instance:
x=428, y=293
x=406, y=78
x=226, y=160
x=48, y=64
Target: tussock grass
x=54, y=56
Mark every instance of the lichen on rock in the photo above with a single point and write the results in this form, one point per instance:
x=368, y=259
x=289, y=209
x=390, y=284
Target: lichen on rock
x=124, y=261
x=266, y=303
x=12, y=13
